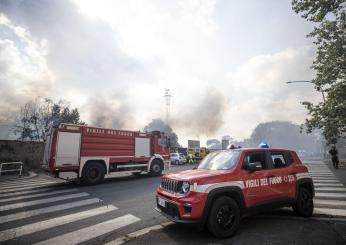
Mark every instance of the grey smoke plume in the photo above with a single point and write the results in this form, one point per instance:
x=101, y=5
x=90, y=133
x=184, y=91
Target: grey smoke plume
x=204, y=118
x=110, y=112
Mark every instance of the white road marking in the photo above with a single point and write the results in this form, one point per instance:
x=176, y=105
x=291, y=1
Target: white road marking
x=138, y=233
x=11, y=188
x=35, y=212
x=317, y=179
x=330, y=189
x=335, y=195
x=327, y=184
x=90, y=232
x=27, y=192
x=38, y=195
x=26, y=184
x=330, y=211
x=41, y=201
x=329, y=202
x=23, y=182
x=46, y=224
x=326, y=181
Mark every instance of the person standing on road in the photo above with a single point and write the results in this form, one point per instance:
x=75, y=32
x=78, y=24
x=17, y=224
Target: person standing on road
x=335, y=159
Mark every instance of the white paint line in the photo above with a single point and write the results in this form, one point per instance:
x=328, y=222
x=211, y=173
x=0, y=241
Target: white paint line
x=27, y=192
x=35, y=212
x=16, y=190
x=22, y=187
x=329, y=211
x=91, y=232
x=23, y=181
x=327, y=184
x=329, y=202
x=317, y=179
x=38, y=195
x=326, y=181
x=330, y=189
x=138, y=233
x=41, y=201
x=26, y=183
x=47, y=224
x=336, y=195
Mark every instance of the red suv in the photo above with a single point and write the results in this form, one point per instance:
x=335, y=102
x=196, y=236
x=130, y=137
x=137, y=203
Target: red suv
x=231, y=184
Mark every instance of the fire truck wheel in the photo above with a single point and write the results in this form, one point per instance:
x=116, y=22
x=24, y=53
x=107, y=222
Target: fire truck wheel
x=93, y=173
x=224, y=217
x=156, y=168
x=304, y=205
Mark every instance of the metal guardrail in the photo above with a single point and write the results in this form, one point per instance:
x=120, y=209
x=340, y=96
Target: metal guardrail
x=11, y=170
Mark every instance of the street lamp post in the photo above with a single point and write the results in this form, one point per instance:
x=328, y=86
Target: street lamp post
x=322, y=91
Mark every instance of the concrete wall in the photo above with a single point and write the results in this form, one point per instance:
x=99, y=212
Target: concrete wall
x=27, y=152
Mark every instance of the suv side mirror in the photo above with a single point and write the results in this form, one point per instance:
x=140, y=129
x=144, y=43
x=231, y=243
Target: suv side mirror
x=254, y=166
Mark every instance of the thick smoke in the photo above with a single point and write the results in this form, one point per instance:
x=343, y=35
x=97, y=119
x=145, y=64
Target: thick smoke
x=110, y=112
x=205, y=117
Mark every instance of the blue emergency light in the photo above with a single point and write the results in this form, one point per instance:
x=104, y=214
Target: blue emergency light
x=263, y=145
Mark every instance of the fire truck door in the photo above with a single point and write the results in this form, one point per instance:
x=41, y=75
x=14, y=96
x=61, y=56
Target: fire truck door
x=142, y=147
x=68, y=149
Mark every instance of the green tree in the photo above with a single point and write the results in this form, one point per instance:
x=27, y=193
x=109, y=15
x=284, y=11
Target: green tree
x=330, y=65
x=38, y=115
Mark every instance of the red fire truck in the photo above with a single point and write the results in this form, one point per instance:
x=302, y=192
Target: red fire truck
x=93, y=153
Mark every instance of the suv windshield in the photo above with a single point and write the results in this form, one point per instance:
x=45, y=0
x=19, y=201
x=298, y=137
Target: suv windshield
x=220, y=160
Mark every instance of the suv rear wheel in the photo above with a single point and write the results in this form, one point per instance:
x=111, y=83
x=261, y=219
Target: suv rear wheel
x=304, y=205
x=224, y=217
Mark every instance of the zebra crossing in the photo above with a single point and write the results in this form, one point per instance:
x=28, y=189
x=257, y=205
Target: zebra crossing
x=44, y=211
x=330, y=193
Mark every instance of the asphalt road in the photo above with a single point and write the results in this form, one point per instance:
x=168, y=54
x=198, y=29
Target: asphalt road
x=47, y=211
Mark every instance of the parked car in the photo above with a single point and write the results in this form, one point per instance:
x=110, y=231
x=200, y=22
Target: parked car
x=177, y=158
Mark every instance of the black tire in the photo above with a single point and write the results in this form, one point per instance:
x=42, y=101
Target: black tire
x=304, y=205
x=156, y=168
x=93, y=173
x=224, y=217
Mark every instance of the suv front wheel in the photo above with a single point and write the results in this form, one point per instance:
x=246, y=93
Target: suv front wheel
x=224, y=217
x=304, y=205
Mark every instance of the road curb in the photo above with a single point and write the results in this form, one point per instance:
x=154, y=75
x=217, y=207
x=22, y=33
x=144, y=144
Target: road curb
x=136, y=234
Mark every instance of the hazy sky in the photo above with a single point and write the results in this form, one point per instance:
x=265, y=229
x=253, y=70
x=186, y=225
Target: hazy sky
x=226, y=62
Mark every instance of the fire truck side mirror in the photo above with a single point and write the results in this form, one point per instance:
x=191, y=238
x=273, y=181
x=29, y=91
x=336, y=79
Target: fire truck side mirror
x=168, y=142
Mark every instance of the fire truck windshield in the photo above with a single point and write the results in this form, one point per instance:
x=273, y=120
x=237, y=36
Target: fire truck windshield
x=221, y=160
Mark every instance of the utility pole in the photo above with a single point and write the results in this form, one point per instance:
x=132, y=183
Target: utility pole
x=168, y=97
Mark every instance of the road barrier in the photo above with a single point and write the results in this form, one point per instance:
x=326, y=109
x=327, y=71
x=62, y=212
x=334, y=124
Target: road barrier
x=11, y=170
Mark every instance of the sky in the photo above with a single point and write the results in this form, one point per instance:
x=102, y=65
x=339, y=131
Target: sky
x=225, y=62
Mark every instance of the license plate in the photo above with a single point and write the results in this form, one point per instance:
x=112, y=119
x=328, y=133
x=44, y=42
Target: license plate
x=161, y=202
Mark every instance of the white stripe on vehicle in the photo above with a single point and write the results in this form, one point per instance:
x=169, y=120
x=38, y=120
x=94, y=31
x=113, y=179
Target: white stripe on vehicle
x=208, y=187
x=35, y=212
x=90, y=232
x=46, y=224
x=38, y=195
x=42, y=201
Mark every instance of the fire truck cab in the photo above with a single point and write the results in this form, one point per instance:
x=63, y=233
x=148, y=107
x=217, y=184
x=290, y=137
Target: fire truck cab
x=93, y=153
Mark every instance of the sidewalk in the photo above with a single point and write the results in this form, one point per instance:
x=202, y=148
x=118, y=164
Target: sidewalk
x=340, y=173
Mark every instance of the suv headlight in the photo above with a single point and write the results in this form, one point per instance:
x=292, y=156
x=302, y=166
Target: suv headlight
x=185, y=187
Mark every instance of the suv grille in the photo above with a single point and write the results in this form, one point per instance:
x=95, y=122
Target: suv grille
x=170, y=185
